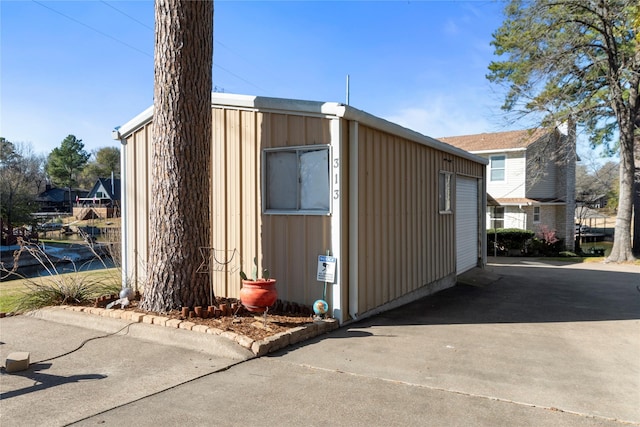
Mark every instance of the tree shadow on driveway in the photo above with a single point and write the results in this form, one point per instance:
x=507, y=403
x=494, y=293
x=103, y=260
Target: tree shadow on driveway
x=44, y=381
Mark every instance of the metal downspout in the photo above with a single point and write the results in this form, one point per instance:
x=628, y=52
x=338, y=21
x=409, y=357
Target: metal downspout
x=124, y=265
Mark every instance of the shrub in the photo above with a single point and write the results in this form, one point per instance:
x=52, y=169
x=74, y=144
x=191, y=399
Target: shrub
x=546, y=242
x=56, y=288
x=507, y=239
x=69, y=288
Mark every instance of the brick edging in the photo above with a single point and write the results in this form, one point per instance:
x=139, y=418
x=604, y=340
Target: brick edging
x=258, y=348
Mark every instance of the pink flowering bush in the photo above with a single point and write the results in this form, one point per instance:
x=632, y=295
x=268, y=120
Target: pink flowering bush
x=546, y=242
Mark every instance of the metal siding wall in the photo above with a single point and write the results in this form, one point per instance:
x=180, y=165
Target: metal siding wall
x=129, y=193
x=404, y=242
x=219, y=237
x=288, y=245
x=139, y=189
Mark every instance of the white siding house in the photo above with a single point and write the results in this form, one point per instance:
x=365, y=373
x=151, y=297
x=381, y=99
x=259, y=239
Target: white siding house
x=531, y=175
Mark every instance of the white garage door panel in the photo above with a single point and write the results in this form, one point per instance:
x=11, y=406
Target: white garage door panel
x=466, y=224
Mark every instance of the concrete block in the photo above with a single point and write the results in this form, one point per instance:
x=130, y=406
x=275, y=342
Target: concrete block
x=160, y=320
x=260, y=348
x=244, y=341
x=17, y=361
x=125, y=315
x=230, y=335
x=186, y=325
x=148, y=319
x=137, y=317
x=326, y=325
x=173, y=323
x=200, y=328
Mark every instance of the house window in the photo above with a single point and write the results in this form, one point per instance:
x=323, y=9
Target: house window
x=297, y=180
x=444, y=192
x=536, y=214
x=498, y=217
x=497, y=166
x=99, y=194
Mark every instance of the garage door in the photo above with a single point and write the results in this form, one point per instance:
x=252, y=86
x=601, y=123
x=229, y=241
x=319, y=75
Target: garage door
x=466, y=211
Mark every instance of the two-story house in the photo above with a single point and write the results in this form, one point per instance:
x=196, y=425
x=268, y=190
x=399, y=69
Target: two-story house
x=531, y=176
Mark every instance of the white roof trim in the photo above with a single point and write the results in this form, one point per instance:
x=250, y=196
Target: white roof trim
x=308, y=107
x=498, y=150
x=137, y=122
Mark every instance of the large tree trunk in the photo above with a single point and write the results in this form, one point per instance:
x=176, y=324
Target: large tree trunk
x=621, y=250
x=180, y=208
x=636, y=211
x=636, y=192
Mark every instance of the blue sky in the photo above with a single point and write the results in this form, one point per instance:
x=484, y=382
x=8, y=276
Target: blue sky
x=85, y=67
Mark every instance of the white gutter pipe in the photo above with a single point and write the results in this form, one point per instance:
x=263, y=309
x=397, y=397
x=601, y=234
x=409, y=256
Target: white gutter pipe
x=124, y=265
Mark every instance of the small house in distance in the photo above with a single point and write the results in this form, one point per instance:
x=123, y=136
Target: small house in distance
x=402, y=213
x=55, y=201
x=531, y=175
x=103, y=201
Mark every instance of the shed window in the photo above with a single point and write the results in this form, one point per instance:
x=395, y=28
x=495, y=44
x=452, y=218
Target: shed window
x=297, y=180
x=497, y=167
x=444, y=192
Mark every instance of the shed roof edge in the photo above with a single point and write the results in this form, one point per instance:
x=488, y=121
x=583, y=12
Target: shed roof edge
x=315, y=107
x=351, y=113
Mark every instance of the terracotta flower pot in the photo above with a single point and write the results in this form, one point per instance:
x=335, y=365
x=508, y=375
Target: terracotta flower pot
x=258, y=295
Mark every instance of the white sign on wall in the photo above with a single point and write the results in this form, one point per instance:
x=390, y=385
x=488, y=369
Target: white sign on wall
x=326, y=268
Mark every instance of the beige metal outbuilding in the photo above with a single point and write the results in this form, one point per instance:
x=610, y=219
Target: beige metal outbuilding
x=293, y=180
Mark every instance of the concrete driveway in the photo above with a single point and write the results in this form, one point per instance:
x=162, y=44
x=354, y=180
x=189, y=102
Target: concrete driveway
x=527, y=344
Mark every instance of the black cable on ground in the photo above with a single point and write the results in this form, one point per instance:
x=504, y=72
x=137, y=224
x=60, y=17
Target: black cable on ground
x=83, y=343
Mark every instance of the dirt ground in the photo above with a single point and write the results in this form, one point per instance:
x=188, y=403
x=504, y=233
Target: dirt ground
x=237, y=319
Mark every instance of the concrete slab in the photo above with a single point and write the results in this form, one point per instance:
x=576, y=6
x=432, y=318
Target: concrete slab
x=550, y=336
x=545, y=344
x=77, y=372
x=208, y=343
x=274, y=392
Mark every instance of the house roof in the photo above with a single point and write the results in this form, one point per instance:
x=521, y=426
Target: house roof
x=491, y=201
x=58, y=195
x=307, y=107
x=113, y=194
x=511, y=140
x=588, y=213
x=517, y=201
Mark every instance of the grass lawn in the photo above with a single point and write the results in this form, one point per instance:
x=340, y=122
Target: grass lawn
x=607, y=246
x=11, y=292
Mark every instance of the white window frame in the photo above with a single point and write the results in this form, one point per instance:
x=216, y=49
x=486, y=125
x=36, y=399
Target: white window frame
x=495, y=217
x=298, y=210
x=536, y=214
x=445, y=192
x=503, y=168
